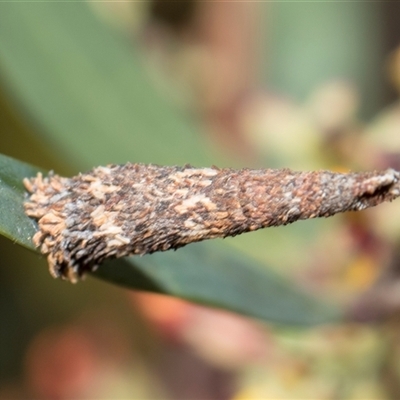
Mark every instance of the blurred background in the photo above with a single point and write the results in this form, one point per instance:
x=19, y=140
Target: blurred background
x=304, y=85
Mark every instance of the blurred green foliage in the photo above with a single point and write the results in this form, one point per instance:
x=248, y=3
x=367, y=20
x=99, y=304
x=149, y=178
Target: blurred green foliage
x=346, y=36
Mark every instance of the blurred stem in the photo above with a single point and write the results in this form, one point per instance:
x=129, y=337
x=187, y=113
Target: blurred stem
x=390, y=366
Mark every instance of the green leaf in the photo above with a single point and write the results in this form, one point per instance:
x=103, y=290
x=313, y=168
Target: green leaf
x=14, y=224
x=202, y=272
x=90, y=100
x=211, y=275
x=87, y=91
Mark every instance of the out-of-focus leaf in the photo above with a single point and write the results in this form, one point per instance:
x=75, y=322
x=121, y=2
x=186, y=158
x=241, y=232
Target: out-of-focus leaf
x=87, y=94
x=310, y=49
x=201, y=272
x=87, y=91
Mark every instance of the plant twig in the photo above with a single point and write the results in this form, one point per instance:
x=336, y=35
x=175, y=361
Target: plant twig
x=121, y=210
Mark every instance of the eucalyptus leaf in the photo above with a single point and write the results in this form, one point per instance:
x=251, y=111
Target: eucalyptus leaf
x=213, y=276
x=202, y=272
x=90, y=100
x=86, y=90
x=14, y=224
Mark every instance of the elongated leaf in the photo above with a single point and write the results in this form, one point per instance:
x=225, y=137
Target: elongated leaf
x=207, y=274
x=86, y=92
x=87, y=89
x=201, y=272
